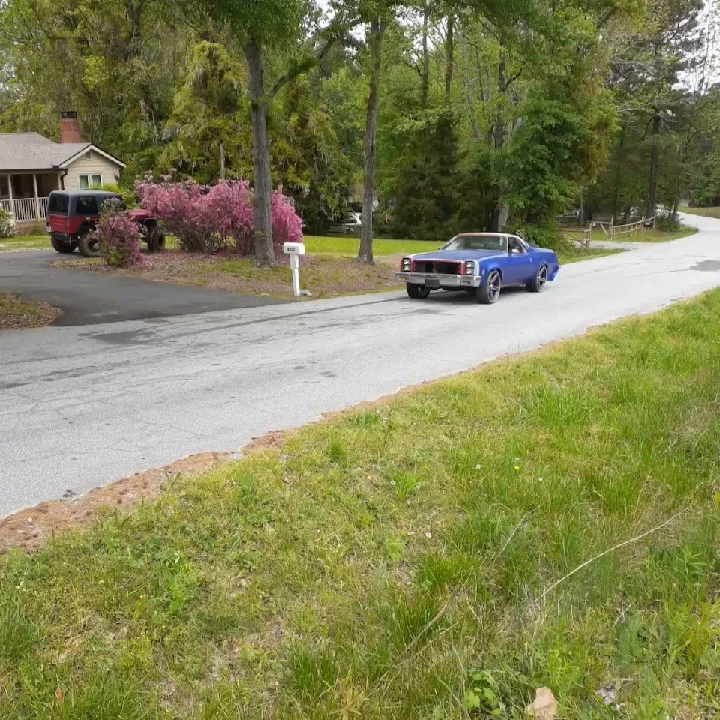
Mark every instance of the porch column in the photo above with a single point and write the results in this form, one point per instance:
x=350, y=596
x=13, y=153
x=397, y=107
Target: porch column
x=37, y=204
x=10, y=196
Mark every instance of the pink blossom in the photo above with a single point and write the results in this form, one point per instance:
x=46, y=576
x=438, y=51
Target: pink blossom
x=207, y=219
x=119, y=238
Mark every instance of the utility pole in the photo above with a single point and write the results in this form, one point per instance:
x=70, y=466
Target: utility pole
x=222, y=161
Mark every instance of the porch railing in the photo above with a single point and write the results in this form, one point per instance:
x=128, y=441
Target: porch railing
x=26, y=209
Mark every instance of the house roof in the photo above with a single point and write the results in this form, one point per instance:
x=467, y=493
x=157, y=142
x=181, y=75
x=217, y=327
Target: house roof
x=26, y=152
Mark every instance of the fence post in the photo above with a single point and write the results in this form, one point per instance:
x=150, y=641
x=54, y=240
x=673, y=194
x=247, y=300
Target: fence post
x=612, y=227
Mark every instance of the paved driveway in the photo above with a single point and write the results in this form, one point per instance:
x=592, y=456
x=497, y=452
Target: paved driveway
x=87, y=298
x=85, y=406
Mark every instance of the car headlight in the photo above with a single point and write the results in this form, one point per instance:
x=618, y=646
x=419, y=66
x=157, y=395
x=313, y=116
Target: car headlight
x=469, y=267
x=406, y=265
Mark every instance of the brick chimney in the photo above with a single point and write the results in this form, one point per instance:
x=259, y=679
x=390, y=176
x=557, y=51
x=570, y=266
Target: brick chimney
x=70, y=128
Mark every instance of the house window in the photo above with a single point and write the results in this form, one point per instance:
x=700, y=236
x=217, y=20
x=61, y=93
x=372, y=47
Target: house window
x=90, y=181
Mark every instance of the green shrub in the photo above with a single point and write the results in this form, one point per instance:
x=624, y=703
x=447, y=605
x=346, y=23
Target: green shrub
x=667, y=222
x=7, y=224
x=128, y=196
x=545, y=236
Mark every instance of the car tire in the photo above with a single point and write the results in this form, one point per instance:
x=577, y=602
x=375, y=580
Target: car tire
x=62, y=247
x=88, y=247
x=155, y=240
x=489, y=292
x=538, y=284
x=417, y=292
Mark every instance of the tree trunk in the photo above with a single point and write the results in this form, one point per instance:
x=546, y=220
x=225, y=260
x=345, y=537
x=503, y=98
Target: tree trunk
x=263, y=243
x=652, y=185
x=377, y=30
x=426, y=60
x=468, y=89
x=499, y=123
x=499, y=211
x=449, y=58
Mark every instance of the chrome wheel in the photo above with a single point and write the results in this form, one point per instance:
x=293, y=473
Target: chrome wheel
x=493, y=283
x=489, y=291
x=541, y=277
x=540, y=280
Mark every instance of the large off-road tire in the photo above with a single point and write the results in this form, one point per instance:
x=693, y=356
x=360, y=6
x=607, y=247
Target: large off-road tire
x=538, y=284
x=417, y=292
x=63, y=247
x=87, y=246
x=489, y=292
x=155, y=240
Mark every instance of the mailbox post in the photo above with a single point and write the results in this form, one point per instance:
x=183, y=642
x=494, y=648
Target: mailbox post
x=295, y=250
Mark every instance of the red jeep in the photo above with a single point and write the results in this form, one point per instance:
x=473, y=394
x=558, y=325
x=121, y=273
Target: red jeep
x=72, y=217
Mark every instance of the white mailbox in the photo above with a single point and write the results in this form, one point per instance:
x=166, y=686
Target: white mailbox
x=295, y=250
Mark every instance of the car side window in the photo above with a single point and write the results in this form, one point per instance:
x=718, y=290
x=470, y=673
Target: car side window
x=87, y=205
x=515, y=246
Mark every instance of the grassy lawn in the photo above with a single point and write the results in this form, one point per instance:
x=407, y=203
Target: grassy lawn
x=713, y=212
x=643, y=236
x=25, y=242
x=17, y=312
x=402, y=559
x=349, y=246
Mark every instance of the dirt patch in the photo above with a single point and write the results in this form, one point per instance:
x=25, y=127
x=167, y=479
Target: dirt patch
x=29, y=529
x=17, y=312
x=323, y=276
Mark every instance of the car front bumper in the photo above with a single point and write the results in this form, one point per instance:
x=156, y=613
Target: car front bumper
x=438, y=280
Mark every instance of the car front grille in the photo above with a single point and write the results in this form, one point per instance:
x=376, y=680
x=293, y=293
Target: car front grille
x=437, y=266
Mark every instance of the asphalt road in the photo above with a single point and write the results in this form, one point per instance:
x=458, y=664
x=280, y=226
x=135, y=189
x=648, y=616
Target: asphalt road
x=89, y=298
x=83, y=406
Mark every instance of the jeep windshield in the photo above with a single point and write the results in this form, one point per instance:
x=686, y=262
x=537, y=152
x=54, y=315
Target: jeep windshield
x=113, y=201
x=496, y=243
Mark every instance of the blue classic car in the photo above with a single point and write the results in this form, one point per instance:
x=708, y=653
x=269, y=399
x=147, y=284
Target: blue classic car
x=481, y=264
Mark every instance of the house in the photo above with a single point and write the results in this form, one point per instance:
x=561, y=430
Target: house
x=31, y=167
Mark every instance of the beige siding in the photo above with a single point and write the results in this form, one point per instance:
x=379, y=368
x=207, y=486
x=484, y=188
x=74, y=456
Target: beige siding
x=91, y=164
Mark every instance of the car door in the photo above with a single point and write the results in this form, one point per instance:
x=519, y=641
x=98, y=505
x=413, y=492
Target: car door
x=519, y=264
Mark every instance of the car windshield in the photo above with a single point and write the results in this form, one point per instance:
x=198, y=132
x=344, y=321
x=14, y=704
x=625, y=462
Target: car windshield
x=478, y=242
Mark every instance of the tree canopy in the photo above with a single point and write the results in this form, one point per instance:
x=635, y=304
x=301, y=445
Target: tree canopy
x=490, y=113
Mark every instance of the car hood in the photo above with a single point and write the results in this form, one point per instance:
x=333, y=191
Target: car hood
x=457, y=255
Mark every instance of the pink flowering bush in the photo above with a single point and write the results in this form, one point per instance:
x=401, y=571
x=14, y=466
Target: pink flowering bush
x=286, y=223
x=228, y=211
x=207, y=219
x=181, y=208
x=118, y=236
